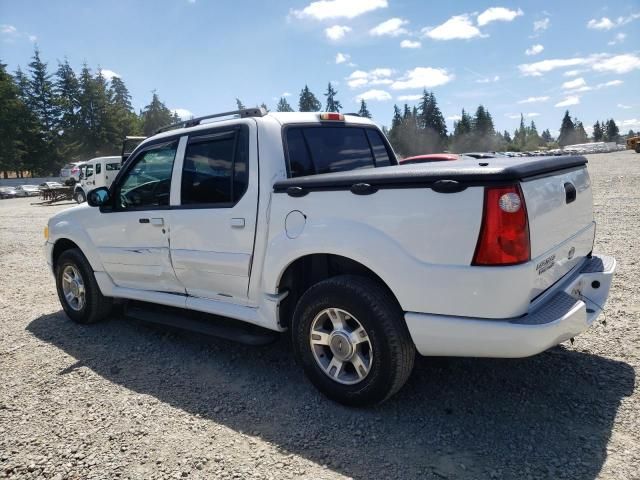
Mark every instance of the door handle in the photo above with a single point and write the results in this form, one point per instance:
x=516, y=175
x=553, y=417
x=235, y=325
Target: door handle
x=158, y=222
x=237, y=222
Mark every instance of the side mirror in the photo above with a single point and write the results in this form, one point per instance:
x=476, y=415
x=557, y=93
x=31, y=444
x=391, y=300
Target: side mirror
x=98, y=197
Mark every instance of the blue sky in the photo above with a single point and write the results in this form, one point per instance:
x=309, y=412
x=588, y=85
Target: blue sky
x=532, y=57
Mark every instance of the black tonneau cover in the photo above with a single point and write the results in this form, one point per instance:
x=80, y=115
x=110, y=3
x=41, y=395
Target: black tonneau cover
x=450, y=176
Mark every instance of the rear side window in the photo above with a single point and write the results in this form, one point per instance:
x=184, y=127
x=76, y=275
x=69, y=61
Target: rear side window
x=98, y=168
x=315, y=150
x=380, y=151
x=216, y=169
x=112, y=167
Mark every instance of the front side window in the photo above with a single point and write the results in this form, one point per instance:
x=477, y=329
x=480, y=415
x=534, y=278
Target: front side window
x=147, y=183
x=315, y=150
x=216, y=169
x=88, y=171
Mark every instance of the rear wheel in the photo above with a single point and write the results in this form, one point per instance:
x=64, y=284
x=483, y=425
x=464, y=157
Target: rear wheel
x=78, y=291
x=80, y=197
x=350, y=336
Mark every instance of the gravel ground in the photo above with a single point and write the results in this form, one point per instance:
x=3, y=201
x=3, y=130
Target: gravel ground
x=126, y=400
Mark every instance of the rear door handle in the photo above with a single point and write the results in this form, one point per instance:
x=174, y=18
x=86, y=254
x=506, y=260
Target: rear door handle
x=158, y=222
x=237, y=222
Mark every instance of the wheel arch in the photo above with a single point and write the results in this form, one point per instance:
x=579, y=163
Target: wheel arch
x=307, y=270
x=59, y=247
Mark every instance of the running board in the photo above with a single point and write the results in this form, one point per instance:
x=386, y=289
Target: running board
x=207, y=324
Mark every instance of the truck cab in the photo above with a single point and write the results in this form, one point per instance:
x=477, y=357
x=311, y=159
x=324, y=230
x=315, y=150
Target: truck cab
x=95, y=173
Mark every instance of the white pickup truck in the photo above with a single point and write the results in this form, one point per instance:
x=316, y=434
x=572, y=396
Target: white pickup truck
x=304, y=222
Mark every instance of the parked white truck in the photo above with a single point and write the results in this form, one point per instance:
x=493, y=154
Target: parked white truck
x=95, y=173
x=304, y=222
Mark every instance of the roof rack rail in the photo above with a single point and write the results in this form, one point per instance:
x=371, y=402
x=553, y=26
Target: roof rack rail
x=192, y=122
x=352, y=114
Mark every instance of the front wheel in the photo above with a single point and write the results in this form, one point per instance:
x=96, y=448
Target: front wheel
x=78, y=290
x=80, y=197
x=350, y=336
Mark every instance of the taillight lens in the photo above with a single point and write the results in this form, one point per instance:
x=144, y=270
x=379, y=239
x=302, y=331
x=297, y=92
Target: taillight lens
x=332, y=116
x=504, y=234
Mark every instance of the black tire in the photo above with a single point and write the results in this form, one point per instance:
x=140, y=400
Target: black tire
x=96, y=306
x=80, y=197
x=382, y=318
x=638, y=148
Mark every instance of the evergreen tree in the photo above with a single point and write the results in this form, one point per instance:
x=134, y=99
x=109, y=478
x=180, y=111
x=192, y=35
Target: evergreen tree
x=580, y=133
x=567, y=130
x=533, y=138
x=333, y=105
x=124, y=120
x=155, y=115
x=612, y=133
x=308, y=101
x=42, y=102
x=33, y=145
x=431, y=123
x=462, y=140
x=507, y=137
x=239, y=104
x=598, y=134
x=520, y=135
x=364, y=111
x=483, y=130
x=546, y=136
x=283, y=105
x=264, y=105
x=13, y=113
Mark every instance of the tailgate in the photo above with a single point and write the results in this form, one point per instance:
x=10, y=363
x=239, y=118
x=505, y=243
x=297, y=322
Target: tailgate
x=561, y=227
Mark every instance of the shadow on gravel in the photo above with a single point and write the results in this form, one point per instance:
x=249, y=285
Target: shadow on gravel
x=547, y=416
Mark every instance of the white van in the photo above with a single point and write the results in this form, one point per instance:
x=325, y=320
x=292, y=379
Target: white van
x=94, y=173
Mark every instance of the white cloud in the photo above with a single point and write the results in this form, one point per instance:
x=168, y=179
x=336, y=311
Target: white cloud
x=533, y=100
x=409, y=98
x=632, y=123
x=525, y=115
x=392, y=27
x=33, y=38
x=377, y=76
x=109, y=74
x=570, y=100
x=423, y=77
x=573, y=84
x=183, y=113
x=336, y=32
x=495, y=14
x=600, y=62
x=534, y=49
x=8, y=29
x=285, y=94
x=572, y=73
x=455, y=118
x=342, y=57
x=618, y=64
x=619, y=38
x=325, y=9
x=540, y=25
x=612, y=83
x=379, y=95
x=538, y=68
x=410, y=44
x=626, y=107
x=457, y=27
x=603, y=24
x=606, y=23
x=495, y=78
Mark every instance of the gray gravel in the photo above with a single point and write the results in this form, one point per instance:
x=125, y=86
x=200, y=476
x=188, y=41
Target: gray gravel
x=125, y=400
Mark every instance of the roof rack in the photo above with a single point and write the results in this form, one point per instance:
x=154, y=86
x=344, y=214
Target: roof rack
x=352, y=114
x=244, y=113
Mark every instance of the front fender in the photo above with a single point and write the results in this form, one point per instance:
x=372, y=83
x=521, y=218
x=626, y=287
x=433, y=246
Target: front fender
x=66, y=228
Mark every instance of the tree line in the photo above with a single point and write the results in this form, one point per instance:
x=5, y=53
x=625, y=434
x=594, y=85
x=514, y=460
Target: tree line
x=50, y=118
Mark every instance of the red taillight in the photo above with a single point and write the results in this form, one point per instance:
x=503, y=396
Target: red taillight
x=332, y=116
x=504, y=234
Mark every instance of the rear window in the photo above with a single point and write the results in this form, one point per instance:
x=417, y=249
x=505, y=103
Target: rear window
x=314, y=150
